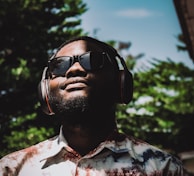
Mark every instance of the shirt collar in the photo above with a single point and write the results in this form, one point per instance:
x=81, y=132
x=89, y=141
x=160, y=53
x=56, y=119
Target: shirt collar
x=55, y=146
x=116, y=142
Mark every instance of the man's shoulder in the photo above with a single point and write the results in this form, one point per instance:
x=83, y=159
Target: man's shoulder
x=142, y=147
x=28, y=152
x=139, y=144
x=148, y=156
x=148, y=153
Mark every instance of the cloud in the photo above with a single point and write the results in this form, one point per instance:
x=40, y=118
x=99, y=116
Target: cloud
x=135, y=13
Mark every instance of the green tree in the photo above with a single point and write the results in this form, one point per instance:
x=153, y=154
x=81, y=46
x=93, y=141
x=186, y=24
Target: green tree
x=29, y=30
x=162, y=110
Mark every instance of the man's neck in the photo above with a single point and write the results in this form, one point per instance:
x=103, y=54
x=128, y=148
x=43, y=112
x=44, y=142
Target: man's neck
x=84, y=136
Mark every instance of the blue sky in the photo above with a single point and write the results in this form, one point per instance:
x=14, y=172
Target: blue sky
x=150, y=25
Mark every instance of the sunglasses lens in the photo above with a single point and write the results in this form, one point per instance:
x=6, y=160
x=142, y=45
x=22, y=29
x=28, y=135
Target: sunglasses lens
x=89, y=61
x=59, y=66
x=92, y=60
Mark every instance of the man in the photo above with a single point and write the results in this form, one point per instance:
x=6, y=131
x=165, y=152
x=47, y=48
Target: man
x=82, y=85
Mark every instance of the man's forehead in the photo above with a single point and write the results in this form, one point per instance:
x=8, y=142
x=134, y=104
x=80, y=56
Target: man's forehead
x=77, y=48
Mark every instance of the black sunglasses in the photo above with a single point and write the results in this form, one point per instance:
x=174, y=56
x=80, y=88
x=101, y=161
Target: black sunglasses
x=90, y=61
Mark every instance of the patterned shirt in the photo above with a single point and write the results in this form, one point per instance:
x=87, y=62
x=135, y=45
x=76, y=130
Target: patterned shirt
x=119, y=155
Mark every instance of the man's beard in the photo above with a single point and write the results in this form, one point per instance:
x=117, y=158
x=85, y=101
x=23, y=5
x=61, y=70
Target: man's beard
x=72, y=106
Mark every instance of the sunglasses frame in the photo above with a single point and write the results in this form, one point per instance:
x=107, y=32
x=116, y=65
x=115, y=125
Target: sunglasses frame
x=77, y=58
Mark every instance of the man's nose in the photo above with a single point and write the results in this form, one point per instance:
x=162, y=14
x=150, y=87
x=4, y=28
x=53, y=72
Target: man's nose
x=76, y=70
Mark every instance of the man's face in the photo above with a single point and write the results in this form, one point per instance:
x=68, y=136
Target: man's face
x=80, y=90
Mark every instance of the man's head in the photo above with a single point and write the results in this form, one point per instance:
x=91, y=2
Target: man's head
x=83, y=76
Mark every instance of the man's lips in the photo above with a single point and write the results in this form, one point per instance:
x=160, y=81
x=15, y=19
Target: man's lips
x=74, y=84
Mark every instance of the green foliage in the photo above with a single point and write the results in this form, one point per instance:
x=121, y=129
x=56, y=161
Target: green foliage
x=29, y=31
x=163, y=102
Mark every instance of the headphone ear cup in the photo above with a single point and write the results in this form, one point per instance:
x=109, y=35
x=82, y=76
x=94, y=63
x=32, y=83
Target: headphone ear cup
x=126, y=86
x=43, y=94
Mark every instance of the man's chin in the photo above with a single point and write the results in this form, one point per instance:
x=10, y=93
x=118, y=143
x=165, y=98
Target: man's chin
x=77, y=104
